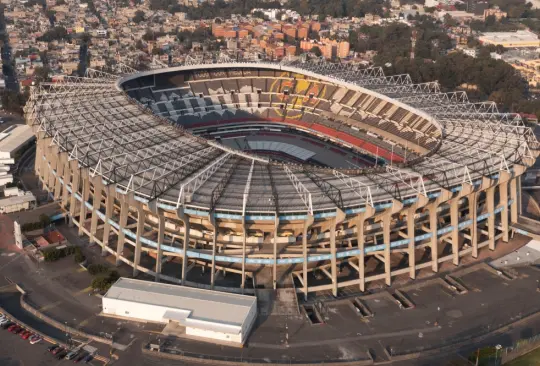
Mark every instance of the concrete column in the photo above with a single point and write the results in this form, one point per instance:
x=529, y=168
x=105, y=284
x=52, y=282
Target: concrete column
x=59, y=175
x=185, y=248
x=141, y=216
x=85, y=195
x=454, y=221
x=360, y=222
x=244, y=239
x=274, y=271
x=74, y=190
x=67, y=181
x=124, y=210
x=411, y=248
x=213, y=269
x=161, y=238
x=434, y=245
x=333, y=259
x=307, y=224
x=109, y=209
x=52, y=157
x=503, y=196
x=98, y=193
x=490, y=201
x=39, y=153
x=519, y=190
x=474, y=225
x=514, y=198
x=46, y=170
x=386, y=219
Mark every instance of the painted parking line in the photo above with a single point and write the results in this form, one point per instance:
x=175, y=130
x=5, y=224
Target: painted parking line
x=83, y=291
x=85, y=321
x=81, y=269
x=50, y=306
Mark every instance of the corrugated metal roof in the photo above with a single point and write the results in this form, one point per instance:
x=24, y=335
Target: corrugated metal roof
x=9, y=201
x=206, y=305
x=15, y=136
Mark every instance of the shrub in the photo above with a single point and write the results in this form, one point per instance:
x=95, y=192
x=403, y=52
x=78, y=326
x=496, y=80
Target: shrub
x=114, y=276
x=79, y=257
x=54, y=254
x=101, y=283
x=105, y=280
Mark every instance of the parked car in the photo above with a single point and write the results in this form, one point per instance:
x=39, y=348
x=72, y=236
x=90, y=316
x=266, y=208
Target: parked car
x=88, y=358
x=7, y=325
x=27, y=335
x=71, y=355
x=61, y=355
x=12, y=327
x=57, y=350
x=52, y=348
x=4, y=321
x=35, y=339
x=16, y=329
x=80, y=357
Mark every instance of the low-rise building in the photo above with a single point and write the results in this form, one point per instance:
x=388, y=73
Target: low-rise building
x=518, y=39
x=17, y=203
x=206, y=315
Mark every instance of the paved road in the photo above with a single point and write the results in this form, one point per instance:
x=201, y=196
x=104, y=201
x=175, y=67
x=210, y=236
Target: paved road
x=60, y=290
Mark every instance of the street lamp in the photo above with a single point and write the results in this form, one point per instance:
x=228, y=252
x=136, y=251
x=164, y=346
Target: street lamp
x=497, y=349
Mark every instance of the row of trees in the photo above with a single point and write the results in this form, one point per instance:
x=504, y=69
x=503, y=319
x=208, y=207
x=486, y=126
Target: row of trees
x=14, y=101
x=219, y=8
x=54, y=34
x=44, y=221
x=55, y=254
x=339, y=8
x=492, y=79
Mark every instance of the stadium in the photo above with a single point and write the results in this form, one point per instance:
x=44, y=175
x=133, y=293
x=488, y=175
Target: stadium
x=308, y=175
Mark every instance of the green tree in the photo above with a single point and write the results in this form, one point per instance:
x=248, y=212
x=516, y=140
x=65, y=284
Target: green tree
x=316, y=51
x=41, y=74
x=139, y=17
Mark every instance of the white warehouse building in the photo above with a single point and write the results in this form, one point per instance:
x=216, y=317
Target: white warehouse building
x=205, y=314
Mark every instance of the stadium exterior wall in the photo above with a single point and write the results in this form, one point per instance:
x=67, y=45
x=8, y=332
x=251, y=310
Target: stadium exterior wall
x=54, y=169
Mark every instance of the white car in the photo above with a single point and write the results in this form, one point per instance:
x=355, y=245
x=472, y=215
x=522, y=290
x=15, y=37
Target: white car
x=35, y=339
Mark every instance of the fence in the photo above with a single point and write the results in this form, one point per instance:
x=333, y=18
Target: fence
x=520, y=348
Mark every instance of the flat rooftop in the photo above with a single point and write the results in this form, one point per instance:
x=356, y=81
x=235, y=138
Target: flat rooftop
x=14, y=137
x=206, y=305
x=520, y=36
x=15, y=200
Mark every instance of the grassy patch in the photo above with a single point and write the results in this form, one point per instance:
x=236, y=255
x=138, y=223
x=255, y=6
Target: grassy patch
x=529, y=359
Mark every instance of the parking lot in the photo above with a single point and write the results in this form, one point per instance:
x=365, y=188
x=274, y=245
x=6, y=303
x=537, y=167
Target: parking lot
x=18, y=350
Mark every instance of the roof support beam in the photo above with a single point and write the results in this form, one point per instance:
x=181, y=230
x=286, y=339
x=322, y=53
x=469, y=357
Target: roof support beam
x=303, y=192
x=197, y=180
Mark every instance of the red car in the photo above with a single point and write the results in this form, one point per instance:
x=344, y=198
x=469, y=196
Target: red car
x=26, y=335
x=18, y=330
x=15, y=328
x=11, y=327
x=57, y=350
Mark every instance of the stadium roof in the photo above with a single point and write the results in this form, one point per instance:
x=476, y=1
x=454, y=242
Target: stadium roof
x=96, y=123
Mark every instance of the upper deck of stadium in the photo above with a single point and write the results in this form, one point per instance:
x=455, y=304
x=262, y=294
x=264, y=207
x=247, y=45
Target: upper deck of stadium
x=120, y=128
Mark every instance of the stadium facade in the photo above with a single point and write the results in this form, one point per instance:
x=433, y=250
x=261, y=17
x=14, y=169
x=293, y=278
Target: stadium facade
x=117, y=152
